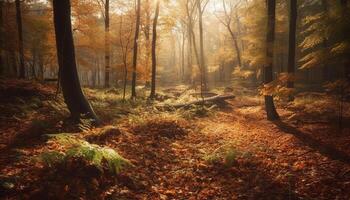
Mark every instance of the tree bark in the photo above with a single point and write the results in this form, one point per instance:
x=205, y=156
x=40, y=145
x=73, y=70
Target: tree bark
x=154, y=50
x=2, y=65
x=292, y=44
x=107, y=45
x=20, y=39
x=134, y=64
x=72, y=92
x=201, y=46
x=268, y=72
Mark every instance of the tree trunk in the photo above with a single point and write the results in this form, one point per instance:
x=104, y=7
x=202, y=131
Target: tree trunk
x=2, y=66
x=189, y=56
x=134, y=64
x=239, y=29
x=107, y=45
x=20, y=39
x=235, y=43
x=147, y=32
x=201, y=46
x=33, y=65
x=268, y=72
x=98, y=71
x=41, y=67
x=183, y=56
x=72, y=92
x=14, y=63
x=125, y=79
x=344, y=5
x=292, y=43
x=154, y=50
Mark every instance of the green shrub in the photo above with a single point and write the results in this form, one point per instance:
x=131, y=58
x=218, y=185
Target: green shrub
x=72, y=147
x=197, y=111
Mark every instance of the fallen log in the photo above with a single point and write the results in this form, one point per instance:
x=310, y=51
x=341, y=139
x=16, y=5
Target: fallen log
x=205, y=94
x=215, y=99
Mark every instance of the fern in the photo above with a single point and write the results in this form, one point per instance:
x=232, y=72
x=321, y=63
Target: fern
x=226, y=154
x=73, y=147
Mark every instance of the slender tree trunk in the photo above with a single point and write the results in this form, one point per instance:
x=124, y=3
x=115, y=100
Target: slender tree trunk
x=325, y=45
x=268, y=72
x=41, y=67
x=154, y=51
x=2, y=66
x=198, y=61
x=107, y=45
x=125, y=79
x=33, y=65
x=183, y=55
x=20, y=39
x=239, y=29
x=292, y=43
x=98, y=71
x=189, y=56
x=189, y=12
x=201, y=46
x=134, y=64
x=14, y=63
x=344, y=4
x=236, y=46
x=72, y=92
x=147, y=32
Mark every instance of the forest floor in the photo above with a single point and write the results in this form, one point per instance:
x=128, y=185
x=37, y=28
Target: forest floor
x=225, y=152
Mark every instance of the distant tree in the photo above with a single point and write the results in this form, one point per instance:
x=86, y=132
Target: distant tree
x=268, y=69
x=229, y=16
x=20, y=39
x=1, y=39
x=190, y=8
x=136, y=38
x=292, y=43
x=345, y=15
x=146, y=29
x=107, y=44
x=125, y=41
x=201, y=5
x=154, y=56
x=72, y=92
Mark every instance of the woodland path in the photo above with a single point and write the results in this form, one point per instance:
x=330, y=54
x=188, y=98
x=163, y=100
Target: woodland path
x=269, y=161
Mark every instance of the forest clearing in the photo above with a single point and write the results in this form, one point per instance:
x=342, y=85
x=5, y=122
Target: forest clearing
x=175, y=99
x=226, y=152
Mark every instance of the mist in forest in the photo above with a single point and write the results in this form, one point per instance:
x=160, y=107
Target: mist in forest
x=174, y=99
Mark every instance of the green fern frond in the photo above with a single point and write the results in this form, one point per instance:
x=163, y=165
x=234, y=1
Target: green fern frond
x=77, y=148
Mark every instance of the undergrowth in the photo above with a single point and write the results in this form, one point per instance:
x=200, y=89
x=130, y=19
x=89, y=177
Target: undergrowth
x=71, y=147
x=226, y=155
x=197, y=111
